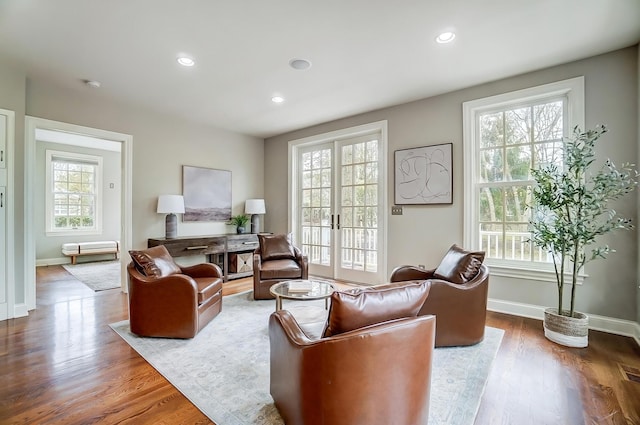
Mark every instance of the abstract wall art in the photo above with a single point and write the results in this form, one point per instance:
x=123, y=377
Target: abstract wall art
x=424, y=175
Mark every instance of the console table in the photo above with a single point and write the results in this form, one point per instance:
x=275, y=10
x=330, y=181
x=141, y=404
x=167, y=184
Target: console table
x=216, y=248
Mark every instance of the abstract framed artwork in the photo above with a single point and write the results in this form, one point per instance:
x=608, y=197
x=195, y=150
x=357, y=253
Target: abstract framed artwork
x=424, y=175
x=207, y=194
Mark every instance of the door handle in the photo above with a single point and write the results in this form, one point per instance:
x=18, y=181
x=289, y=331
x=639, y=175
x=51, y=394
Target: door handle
x=1, y=156
x=338, y=221
x=1, y=199
x=331, y=221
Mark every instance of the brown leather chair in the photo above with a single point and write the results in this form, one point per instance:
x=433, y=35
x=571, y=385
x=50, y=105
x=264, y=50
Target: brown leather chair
x=166, y=300
x=276, y=260
x=379, y=374
x=458, y=296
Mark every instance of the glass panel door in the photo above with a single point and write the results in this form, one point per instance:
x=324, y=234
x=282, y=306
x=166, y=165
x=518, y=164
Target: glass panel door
x=358, y=210
x=339, y=193
x=315, y=183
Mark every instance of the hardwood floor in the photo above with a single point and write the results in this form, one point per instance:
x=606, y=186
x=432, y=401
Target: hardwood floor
x=64, y=365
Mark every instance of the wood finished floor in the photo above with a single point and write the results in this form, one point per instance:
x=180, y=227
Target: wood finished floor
x=64, y=365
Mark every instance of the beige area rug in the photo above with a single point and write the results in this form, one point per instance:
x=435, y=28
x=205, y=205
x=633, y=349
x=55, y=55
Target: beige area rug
x=224, y=370
x=99, y=276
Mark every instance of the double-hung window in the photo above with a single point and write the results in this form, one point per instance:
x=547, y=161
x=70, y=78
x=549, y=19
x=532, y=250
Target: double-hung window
x=73, y=199
x=505, y=136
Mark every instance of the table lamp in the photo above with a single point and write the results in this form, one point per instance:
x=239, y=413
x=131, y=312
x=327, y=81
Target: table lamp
x=254, y=207
x=171, y=205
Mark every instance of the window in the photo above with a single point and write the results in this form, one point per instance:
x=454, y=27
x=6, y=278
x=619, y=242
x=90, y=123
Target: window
x=73, y=198
x=504, y=137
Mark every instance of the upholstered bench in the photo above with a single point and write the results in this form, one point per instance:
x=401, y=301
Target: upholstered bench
x=76, y=249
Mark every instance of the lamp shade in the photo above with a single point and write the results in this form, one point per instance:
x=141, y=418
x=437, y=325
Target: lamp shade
x=170, y=204
x=254, y=206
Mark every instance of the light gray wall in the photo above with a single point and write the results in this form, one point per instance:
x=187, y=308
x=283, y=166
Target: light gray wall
x=424, y=233
x=48, y=247
x=12, y=89
x=161, y=146
x=638, y=214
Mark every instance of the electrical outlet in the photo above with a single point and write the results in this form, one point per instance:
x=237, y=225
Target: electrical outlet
x=396, y=210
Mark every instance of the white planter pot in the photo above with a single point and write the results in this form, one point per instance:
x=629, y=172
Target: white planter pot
x=565, y=330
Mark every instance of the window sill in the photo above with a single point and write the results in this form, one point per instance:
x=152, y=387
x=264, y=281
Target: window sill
x=74, y=233
x=528, y=271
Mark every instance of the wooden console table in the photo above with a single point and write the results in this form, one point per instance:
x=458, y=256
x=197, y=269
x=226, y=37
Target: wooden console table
x=216, y=248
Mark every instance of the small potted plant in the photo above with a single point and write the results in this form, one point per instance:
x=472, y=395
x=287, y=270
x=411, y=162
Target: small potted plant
x=570, y=211
x=240, y=221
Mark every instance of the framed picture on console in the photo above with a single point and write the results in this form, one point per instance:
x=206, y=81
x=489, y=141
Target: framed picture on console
x=424, y=175
x=207, y=194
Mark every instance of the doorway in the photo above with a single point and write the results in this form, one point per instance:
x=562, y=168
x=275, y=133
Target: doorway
x=338, y=196
x=33, y=125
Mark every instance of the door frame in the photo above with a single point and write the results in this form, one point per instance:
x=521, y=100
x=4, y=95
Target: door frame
x=33, y=123
x=346, y=133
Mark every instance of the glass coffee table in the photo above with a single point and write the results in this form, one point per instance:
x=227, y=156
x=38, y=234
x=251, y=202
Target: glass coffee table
x=302, y=290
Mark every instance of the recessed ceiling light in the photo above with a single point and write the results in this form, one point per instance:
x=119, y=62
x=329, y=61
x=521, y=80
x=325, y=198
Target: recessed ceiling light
x=93, y=84
x=445, y=37
x=300, y=64
x=277, y=99
x=186, y=61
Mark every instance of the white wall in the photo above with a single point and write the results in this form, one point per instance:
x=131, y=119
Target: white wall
x=423, y=233
x=48, y=248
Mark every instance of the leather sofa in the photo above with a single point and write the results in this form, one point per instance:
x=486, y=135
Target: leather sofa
x=276, y=260
x=457, y=297
x=166, y=300
x=371, y=366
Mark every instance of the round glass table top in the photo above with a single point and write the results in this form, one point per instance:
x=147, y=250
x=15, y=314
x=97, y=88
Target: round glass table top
x=303, y=289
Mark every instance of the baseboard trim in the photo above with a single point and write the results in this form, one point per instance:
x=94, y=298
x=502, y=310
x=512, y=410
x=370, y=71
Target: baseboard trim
x=20, y=310
x=52, y=261
x=598, y=323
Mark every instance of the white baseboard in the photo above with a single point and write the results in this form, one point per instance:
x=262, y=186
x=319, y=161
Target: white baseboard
x=53, y=261
x=598, y=323
x=20, y=310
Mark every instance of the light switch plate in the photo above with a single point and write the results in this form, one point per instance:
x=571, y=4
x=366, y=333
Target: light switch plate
x=396, y=210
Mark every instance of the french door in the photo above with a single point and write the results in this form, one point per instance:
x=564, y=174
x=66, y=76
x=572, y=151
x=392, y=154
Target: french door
x=339, y=214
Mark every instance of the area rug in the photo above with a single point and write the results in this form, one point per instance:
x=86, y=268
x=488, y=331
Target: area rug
x=224, y=370
x=99, y=276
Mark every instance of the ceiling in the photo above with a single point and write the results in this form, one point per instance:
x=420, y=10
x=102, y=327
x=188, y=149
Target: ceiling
x=365, y=54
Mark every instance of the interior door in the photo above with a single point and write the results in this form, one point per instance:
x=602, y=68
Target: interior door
x=339, y=190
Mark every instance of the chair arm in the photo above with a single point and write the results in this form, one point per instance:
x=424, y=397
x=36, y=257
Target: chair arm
x=313, y=380
x=402, y=273
x=303, y=261
x=202, y=270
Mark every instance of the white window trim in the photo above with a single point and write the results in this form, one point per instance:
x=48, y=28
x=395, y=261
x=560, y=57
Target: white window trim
x=573, y=89
x=49, y=229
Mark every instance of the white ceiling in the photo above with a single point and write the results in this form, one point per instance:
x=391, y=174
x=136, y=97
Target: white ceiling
x=366, y=54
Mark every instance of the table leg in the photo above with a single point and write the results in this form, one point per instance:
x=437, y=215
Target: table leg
x=326, y=303
x=278, y=303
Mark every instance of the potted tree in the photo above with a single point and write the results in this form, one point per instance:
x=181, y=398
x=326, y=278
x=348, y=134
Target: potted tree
x=240, y=221
x=570, y=211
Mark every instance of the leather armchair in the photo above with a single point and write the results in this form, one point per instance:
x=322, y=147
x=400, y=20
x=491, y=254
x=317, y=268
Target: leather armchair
x=176, y=304
x=276, y=260
x=378, y=374
x=460, y=308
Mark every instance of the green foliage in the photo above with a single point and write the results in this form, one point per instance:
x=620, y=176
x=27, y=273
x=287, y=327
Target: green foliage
x=239, y=220
x=571, y=206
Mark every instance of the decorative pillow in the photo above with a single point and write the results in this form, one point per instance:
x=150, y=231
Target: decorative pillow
x=459, y=266
x=355, y=309
x=276, y=247
x=154, y=262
